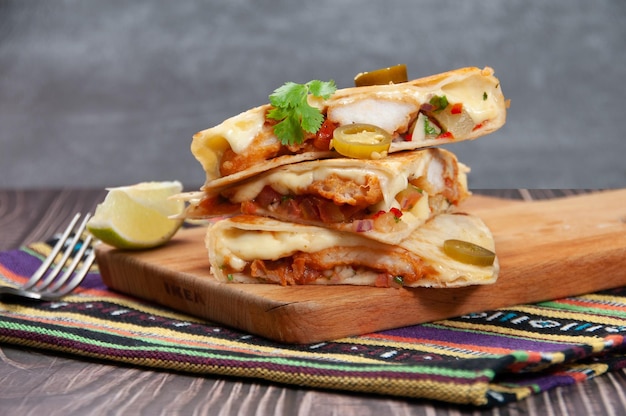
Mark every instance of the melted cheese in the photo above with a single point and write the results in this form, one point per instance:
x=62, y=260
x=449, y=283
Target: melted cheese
x=236, y=247
x=471, y=92
x=240, y=131
x=236, y=133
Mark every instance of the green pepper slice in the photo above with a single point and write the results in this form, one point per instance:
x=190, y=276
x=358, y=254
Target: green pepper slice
x=383, y=76
x=469, y=253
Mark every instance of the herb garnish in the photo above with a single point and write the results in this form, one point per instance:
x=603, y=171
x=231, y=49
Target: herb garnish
x=294, y=113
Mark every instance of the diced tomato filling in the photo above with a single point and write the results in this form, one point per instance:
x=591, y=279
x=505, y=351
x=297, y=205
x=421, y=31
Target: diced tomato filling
x=456, y=108
x=396, y=213
x=324, y=135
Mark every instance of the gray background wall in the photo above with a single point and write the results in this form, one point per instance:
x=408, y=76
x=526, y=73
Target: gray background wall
x=103, y=93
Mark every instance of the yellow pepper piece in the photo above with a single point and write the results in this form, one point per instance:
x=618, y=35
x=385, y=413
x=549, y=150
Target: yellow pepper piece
x=361, y=141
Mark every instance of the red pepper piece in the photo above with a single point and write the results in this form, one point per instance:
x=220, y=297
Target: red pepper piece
x=456, y=108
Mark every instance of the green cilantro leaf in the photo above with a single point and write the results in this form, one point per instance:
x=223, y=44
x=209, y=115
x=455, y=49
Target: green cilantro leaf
x=322, y=89
x=293, y=112
x=289, y=95
x=277, y=113
x=311, y=118
x=289, y=130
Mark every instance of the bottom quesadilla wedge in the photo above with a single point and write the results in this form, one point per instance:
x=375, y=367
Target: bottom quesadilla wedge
x=252, y=249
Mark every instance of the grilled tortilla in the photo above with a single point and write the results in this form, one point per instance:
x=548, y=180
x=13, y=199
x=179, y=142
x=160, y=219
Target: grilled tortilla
x=251, y=249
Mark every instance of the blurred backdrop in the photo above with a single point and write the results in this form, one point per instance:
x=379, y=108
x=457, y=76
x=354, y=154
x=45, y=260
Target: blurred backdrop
x=104, y=93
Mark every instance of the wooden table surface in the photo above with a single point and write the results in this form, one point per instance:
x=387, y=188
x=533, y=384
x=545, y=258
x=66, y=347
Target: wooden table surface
x=41, y=383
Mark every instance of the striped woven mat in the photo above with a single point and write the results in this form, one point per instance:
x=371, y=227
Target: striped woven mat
x=482, y=359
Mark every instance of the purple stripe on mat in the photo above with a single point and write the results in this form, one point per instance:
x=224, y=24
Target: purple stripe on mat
x=25, y=264
x=463, y=338
x=537, y=381
x=19, y=262
x=93, y=281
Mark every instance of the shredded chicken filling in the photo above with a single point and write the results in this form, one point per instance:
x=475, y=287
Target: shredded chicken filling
x=333, y=263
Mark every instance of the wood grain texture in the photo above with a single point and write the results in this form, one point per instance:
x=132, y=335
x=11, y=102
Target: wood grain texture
x=581, y=238
x=36, y=382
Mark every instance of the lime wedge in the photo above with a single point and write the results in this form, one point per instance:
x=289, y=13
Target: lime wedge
x=138, y=216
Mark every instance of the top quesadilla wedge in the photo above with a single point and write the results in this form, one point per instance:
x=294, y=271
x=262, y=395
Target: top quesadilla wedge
x=458, y=105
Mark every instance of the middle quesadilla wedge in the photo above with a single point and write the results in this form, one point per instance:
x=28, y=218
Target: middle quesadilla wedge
x=384, y=199
x=449, y=250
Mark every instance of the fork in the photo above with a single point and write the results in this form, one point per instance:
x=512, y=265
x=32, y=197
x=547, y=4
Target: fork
x=45, y=284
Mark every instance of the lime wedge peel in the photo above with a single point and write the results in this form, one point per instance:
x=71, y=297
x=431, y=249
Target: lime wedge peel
x=138, y=216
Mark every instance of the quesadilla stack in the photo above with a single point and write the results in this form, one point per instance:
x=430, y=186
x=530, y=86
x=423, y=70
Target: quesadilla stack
x=350, y=190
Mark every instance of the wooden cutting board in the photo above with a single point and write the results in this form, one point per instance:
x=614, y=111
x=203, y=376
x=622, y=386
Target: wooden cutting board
x=547, y=250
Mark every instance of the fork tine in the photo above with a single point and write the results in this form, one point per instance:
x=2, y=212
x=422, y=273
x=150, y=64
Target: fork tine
x=55, y=251
x=80, y=275
x=70, y=269
x=42, y=284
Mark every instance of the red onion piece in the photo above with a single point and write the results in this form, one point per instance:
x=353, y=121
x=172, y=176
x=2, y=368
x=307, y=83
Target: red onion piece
x=363, y=225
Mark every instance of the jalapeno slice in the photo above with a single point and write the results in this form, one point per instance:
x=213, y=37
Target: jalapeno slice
x=361, y=141
x=383, y=76
x=468, y=253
